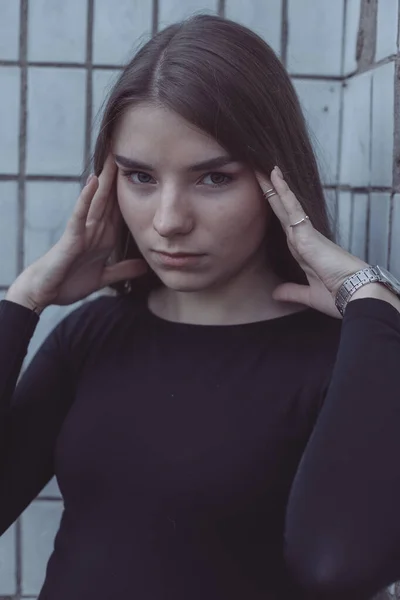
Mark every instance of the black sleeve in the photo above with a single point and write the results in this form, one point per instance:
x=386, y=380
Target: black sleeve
x=32, y=409
x=342, y=532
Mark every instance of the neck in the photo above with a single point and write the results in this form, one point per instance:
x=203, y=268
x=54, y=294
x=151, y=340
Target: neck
x=246, y=299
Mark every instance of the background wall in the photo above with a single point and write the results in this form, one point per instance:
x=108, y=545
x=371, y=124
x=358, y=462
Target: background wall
x=57, y=61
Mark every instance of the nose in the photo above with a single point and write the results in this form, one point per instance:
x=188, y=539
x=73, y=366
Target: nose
x=173, y=215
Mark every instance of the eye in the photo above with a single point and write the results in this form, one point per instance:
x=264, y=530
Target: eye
x=218, y=179
x=142, y=177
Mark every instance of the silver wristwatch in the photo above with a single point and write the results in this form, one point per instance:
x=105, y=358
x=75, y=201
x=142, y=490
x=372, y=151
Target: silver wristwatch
x=368, y=275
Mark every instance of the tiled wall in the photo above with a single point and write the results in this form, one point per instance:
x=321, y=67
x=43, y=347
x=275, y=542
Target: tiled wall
x=57, y=61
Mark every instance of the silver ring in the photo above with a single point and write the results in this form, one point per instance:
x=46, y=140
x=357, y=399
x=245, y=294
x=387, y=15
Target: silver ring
x=269, y=193
x=301, y=221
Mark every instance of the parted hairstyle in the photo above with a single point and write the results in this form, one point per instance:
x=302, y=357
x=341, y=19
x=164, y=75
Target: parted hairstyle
x=226, y=80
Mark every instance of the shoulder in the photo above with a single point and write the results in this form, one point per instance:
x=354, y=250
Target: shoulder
x=96, y=319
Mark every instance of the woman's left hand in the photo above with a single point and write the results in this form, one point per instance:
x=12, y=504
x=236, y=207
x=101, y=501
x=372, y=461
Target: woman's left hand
x=325, y=264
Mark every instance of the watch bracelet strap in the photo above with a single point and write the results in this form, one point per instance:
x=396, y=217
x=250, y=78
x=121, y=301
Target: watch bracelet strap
x=352, y=284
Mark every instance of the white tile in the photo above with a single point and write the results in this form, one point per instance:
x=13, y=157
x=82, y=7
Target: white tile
x=57, y=30
x=387, y=27
x=383, y=125
x=353, y=10
x=9, y=29
x=8, y=231
x=171, y=11
x=359, y=225
x=8, y=584
x=51, y=490
x=56, y=121
x=379, y=229
x=320, y=102
x=344, y=219
x=9, y=119
x=119, y=27
x=102, y=82
x=394, y=266
x=48, y=207
x=356, y=135
x=315, y=36
x=262, y=16
x=40, y=522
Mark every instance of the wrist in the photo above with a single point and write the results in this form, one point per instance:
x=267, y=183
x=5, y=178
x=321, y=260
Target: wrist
x=378, y=291
x=19, y=297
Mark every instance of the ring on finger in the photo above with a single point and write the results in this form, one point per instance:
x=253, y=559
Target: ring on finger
x=269, y=193
x=301, y=221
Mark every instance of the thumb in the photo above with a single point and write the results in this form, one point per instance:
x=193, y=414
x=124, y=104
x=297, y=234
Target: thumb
x=292, y=292
x=126, y=269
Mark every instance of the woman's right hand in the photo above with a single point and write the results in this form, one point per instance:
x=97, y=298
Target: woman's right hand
x=76, y=265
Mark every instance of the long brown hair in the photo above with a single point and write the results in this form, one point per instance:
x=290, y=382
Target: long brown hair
x=224, y=79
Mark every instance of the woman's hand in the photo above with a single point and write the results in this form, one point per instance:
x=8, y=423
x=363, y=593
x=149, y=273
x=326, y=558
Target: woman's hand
x=76, y=265
x=325, y=264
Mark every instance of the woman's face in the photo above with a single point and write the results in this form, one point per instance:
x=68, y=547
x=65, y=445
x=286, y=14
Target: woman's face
x=198, y=217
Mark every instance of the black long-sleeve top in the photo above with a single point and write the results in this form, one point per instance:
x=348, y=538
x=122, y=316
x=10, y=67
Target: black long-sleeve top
x=207, y=462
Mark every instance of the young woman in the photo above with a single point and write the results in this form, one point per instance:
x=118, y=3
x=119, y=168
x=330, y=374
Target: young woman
x=217, y=429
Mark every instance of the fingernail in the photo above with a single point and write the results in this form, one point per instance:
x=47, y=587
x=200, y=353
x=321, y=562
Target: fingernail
x=89, y=178
x=278, y=171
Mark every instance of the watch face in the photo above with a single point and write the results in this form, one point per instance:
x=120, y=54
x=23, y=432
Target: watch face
x=390, y=279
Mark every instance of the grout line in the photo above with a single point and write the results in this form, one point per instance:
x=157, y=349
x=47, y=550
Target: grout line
x=351, y=224
x=48, y=499
x=368, y=219
x=340, y=134
x=367, y=237
x=284, y=32
x=317, y=77
x=396, y=133
x=221, y=8
x=155, y=17
x=389, y=249
x=23, y=51
x=89, y=88
x=341, y=98
x=371, y=123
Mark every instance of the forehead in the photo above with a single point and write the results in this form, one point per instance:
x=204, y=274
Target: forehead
x=157, y=134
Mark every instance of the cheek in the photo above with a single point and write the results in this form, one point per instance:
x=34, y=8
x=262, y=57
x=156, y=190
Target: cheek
x=137, y=215
x=242, y=223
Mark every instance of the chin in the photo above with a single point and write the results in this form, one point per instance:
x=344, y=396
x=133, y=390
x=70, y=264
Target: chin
x=185, y=282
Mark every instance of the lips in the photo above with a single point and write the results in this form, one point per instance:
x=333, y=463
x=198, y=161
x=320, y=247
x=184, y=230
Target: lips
x=177, y=260
x=177, y=254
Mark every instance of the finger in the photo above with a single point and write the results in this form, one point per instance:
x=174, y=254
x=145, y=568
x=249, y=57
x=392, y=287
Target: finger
x=102, y=196
x=291, y=205
x=77, y=222
x=127, y=269
x=274, y=200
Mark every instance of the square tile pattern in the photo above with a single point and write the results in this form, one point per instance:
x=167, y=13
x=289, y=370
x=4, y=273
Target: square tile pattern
x=350, y=117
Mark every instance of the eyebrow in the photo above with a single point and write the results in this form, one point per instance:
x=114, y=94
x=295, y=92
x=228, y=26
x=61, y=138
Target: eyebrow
x=213, y=163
